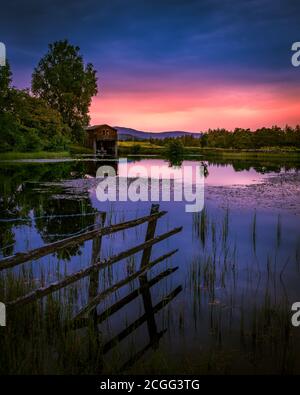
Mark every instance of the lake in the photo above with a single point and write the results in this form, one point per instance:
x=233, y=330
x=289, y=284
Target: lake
x=220, y=304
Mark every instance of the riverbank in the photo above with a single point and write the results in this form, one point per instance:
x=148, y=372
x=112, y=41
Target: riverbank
x=145, y=147
x=34, y=155
x=127, y=148
x=72, y=149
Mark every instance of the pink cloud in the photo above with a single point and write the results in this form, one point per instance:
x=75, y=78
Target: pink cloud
x=198, y=107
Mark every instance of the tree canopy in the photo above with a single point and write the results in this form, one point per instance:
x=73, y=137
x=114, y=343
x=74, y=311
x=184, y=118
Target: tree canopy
x=63, y=81
x=27, y=123
x=5, y=84
x=262, y=138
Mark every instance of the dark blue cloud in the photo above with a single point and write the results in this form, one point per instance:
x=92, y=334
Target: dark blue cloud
x=245, y=40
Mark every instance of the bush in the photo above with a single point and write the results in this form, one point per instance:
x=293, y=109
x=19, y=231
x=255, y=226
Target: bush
x=174, y=152
x=174, y=148
x=31, y=125
x=10, y=134
x=136, y=149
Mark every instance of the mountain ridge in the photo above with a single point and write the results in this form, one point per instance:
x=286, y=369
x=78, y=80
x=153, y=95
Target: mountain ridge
x=134, y=134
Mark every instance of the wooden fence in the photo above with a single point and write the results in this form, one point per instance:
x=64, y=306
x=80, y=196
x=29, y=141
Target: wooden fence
x=83, y=317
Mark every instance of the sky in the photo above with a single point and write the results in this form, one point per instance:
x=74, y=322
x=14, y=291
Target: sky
x=170, y=64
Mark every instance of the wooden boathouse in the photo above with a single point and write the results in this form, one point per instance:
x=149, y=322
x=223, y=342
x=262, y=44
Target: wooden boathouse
x=102, y=139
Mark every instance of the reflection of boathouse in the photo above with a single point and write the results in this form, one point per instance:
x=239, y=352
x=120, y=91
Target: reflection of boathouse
x=103, y=139
x=91, y=167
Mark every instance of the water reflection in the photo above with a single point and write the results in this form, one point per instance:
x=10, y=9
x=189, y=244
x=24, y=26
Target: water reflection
x=231, y=282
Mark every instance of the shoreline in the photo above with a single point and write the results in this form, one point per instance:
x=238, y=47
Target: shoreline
x=277, y=193
x=209, y=153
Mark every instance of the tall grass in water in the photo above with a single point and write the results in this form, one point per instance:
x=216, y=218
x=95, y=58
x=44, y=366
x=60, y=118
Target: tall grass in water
x=240, y=317
x=225, y=226
x=217, y=258
x=36, y=339
x=278, y=231
x=200, y=225
x=254, y=232
x=242, y=331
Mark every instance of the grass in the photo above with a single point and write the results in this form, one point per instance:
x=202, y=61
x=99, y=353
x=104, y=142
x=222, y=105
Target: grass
x=145, y=147
x=243, y=334
x=79, y=149
x=138, y=147
x=245, y=153
x=71, y=149
x=34, y=155
x=254, y=228
x=143, y=144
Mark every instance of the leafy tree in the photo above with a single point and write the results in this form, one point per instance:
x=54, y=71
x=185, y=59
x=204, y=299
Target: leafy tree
x=262, y=138
x=5, y=82
x=9, y=130
x=66, y=85
x=242, y=139
x=30, y=125
x=136, y=149
x=41, y=126
x=174, y=152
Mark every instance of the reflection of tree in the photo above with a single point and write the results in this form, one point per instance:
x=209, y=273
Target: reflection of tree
x=20, y=197
x=54, y=225
x=175, y=161
x=205, y=169
x=262, y=166
x=7, y=239
x=88, y=316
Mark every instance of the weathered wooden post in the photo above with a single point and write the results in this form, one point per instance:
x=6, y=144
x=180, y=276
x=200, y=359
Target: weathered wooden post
x=145, y=289
x=96, y=248
x=94, y=340
x=149, y=235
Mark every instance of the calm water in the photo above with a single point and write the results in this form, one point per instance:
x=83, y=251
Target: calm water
x=233, y=263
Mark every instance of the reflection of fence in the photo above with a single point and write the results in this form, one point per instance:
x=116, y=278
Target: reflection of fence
x=84, y=316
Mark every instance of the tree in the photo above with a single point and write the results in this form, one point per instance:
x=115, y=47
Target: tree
x=66, y=85
x=174, y=152
x=136, y=149
x=28, y=123
x=41, y=126
x=5, y=82
x=9, y=131
x=31, y=125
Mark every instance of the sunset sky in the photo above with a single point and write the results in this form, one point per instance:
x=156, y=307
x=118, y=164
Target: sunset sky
x=170, y=64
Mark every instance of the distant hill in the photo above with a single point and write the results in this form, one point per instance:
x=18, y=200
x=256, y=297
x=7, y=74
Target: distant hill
x=133, y=134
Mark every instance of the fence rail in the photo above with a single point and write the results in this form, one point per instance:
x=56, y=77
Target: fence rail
x=37, y=253
x=89, y=311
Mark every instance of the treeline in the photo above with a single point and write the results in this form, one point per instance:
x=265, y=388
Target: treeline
x=258, y=139
x=187, y=140
x=263, y=138
x=27, y=123
x=54, y=113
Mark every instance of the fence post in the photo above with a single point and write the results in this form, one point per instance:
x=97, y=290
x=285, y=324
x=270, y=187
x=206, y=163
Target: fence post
x=149, y=235
x=94, y=339
x=96, y=248
x=145, y=289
